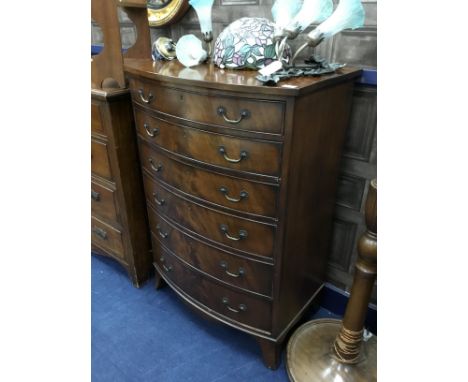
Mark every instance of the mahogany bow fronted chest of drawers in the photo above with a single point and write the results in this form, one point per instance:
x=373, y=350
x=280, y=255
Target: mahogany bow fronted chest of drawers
x=240, y=184
x=118, y=216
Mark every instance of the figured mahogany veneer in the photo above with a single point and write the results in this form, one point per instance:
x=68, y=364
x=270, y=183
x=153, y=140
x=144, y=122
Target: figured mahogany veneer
x=240, y=183
x=261, y=157
x=211, y=108
x=209, y=222
x=230, y=192
x=250, y=275
x=228, y=304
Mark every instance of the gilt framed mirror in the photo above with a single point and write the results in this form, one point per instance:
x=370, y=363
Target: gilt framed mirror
x=165, y=12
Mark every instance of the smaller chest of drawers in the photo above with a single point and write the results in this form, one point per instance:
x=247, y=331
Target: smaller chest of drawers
x=118, y=216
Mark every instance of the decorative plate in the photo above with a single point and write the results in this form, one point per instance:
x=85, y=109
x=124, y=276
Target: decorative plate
x=164, y=12
x=247, y=43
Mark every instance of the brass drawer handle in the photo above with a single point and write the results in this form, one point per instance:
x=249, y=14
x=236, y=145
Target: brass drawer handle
x=142, y=97
x=152, y=132
x=164, y=235
x=225, y=191
x=222, y=151
x=243, y=115
x=167, y=269
x=95, y=196
x=156, y=168
x=100, y=232
x=242, y=233
x=158, y=201
x=223, y=264
x=242, y=307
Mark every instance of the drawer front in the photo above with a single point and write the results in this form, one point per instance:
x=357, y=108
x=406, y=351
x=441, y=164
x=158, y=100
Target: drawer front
x=241, y=195
x=232, y=112
x=257, y=157
x=103, y=202
x=234, y=232
x=243, y=273
x=107, y=237
x=100, y=159
x=237, y=306
x=96, y=121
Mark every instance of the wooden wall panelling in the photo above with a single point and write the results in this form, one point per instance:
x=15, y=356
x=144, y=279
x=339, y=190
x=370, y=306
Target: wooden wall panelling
x=362, y=127
x=358, y=167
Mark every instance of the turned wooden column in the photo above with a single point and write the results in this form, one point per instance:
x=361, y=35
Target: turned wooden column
x=330, y=350
x=347, y=344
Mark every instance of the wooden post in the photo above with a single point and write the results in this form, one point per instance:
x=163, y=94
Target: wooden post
x=107, y=67
x=347, y=345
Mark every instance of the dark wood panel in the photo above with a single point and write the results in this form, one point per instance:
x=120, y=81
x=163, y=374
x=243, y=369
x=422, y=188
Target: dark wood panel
x=350, y=191
x=343, y=244
x=362, y=125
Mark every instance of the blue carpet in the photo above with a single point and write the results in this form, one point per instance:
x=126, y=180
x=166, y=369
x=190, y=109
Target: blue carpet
x=143, y=335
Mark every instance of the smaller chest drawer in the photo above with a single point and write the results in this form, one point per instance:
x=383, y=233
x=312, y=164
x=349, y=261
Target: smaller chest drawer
x=107, y=237
x=237, y=306
x=103, y=201
x=245, y=235
x=239, y=272
x=234, y=111
x=96, y=120
x=100, y=159
x=253, y=156
x=240, y=195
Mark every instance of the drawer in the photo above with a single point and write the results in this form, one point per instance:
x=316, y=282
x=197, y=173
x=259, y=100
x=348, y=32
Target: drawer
x=237, y=306
x=233, y=232
x=103, y=202
x=241, y=195
x=96, y=121
x=100, y=159
x=239, y=272
x=233, y=112
x=106, y=237
x=254, y=156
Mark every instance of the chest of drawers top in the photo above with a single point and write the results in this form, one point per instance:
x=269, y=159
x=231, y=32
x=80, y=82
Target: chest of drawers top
x=211, y=77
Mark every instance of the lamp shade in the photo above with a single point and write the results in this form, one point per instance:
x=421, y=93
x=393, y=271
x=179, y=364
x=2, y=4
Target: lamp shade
x=312, y=11
x=348, y=15
x=283, y=11
x=189, y=51
x=247, y=43
x=203, y=9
